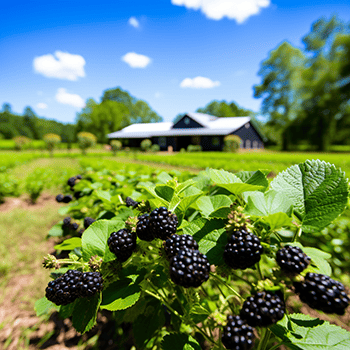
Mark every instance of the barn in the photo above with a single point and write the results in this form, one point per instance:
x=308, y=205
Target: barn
x=192, y=129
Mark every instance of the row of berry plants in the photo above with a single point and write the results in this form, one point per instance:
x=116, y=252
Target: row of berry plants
x=200, y=261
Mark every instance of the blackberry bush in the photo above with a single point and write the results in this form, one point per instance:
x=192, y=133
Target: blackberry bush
x=237, y=334
x=163, y=223
x=323, y=293
x=122, y=244
x=175, y=243
x=243, y=250
x=263, y=309
x=292, y=260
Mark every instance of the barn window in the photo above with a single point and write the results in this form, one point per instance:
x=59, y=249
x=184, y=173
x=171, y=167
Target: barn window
x=162, y=141
x=247, y=144
x=255, y=144
x=187, y=121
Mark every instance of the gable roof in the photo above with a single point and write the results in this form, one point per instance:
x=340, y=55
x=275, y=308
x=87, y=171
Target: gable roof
x=211, y=126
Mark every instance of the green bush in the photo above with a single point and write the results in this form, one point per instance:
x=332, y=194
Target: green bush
x=194, y=148
x=51, y=141
x=232, y=143
x=86, y=140
x=155, y=148
x=21, y=142
x=116, y=146
x=146, y=144
x=9, y=187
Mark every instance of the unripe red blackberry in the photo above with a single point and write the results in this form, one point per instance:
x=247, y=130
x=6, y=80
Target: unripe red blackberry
x=237, y=334
x=90, y=284
x=323, y=293
x=129, y=202
x=263, y=309
x=175, y=243
x=242, y=250
x=59, y=198
x=189, y=268
x=122, y=244
x=143, y=229
x=88, y=221
x=292, y=260
x=163, y=223
x=64, y=290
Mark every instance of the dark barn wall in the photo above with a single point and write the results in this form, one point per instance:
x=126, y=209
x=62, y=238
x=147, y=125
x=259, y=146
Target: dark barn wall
x=182, y=125
x=249, y=136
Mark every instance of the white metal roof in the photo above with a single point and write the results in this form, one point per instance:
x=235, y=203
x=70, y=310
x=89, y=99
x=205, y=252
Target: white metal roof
x=211, y=126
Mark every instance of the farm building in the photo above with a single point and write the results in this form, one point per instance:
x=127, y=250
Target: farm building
x=192, y=129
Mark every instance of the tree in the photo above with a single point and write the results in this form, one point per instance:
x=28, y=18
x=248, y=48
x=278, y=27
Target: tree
x=30, y=123
x=281, y=80
x=86, y=140
x=222, y=109
x=51, y=140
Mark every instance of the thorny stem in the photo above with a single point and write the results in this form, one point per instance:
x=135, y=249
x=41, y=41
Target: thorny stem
x=228, y=286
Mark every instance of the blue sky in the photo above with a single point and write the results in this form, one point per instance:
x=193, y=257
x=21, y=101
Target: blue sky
x=178, y=55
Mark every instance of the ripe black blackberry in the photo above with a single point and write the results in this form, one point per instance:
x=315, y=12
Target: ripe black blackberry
x=129, y=202
x=175, y=243
x=59, y=198
x=90, y=284
x=66, y=221
x=143, y=229
x=64, y=290
x=292, y=260
x=189, y=268
x=122, y=244
x=263, y=309
x=88, y=221
x=163, y=223
x=71, y=181
x=243, y=250
x=74, y=226
x=323, y=293
x=237, y=334
x=67, y=198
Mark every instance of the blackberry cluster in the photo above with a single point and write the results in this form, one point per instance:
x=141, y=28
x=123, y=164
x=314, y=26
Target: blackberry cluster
x=143, y=229
x=189, y=268
x=72, y=285
x=122, y=244
x=88, y=221
x=72, y=180
x=292, y=260
x=175, y=243
x=237, y=334
x=263, y=309
x=243, y=250
x=163, y=223
x=323, y=293
x=131, y=203
x=69, y=224
x=59, y=198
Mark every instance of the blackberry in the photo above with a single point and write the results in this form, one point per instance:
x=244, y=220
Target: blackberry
x=78, y=194
x=243, y=250
x=79, y=177
x=263, y=309
x=189, y=268
x=88, y=221
x=237, y=334
x=64, y=290
x=163, y=223
x=175, y=243
x=67, y=198
x=74, y=226
x=122, y=244
x=131, y=203
x=71, y=181
x=66, y=221
x=323, y=293
x=90, y=284
x=59, y=198
x=292, y=260
x=143, y=229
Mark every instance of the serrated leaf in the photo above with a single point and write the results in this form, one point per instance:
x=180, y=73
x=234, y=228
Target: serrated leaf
x=318, y=190
x=306, y=333
x=199, y=313
x=164, y=177
x=178, y=341
x=85, y=313
x=214, y=206
x=56, y=230
x=254, y=178
x=211, y=237
x=69, y=244
x=67, y=310
x=164, y=191
x=103, y=195
x=277, y=220
x=44, y=306
x=150, y=188
x=94, y=239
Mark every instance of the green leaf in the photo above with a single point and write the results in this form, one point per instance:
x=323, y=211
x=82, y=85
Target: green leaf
x=318, y=190
x=214, y=206
x=164, y=191
x=254, y=178
x=211, y=237
x=199, y=313
x=306, y=333
x=64, y=210
x=56, y=230
x=164, y=177
x=179, y=341
x=277, y=220
x=94, y=239
x=85, y=313
x=44, y=306
x=103, y=195
x=69, y=244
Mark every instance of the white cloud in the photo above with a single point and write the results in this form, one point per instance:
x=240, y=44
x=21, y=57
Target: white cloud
x=240, y=10
x=134, y=22
x=136, y=60
x=199, y=83
x=61, y=65
x=41, y=105
x=62, y=96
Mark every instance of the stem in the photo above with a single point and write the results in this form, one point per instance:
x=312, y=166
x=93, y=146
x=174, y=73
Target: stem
x=230, y=306
x=264, y=338
x=225, y=284
x=260, y=271
x=204, y=334
x=277, y=346
x=164, y=302
x=297, y=234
